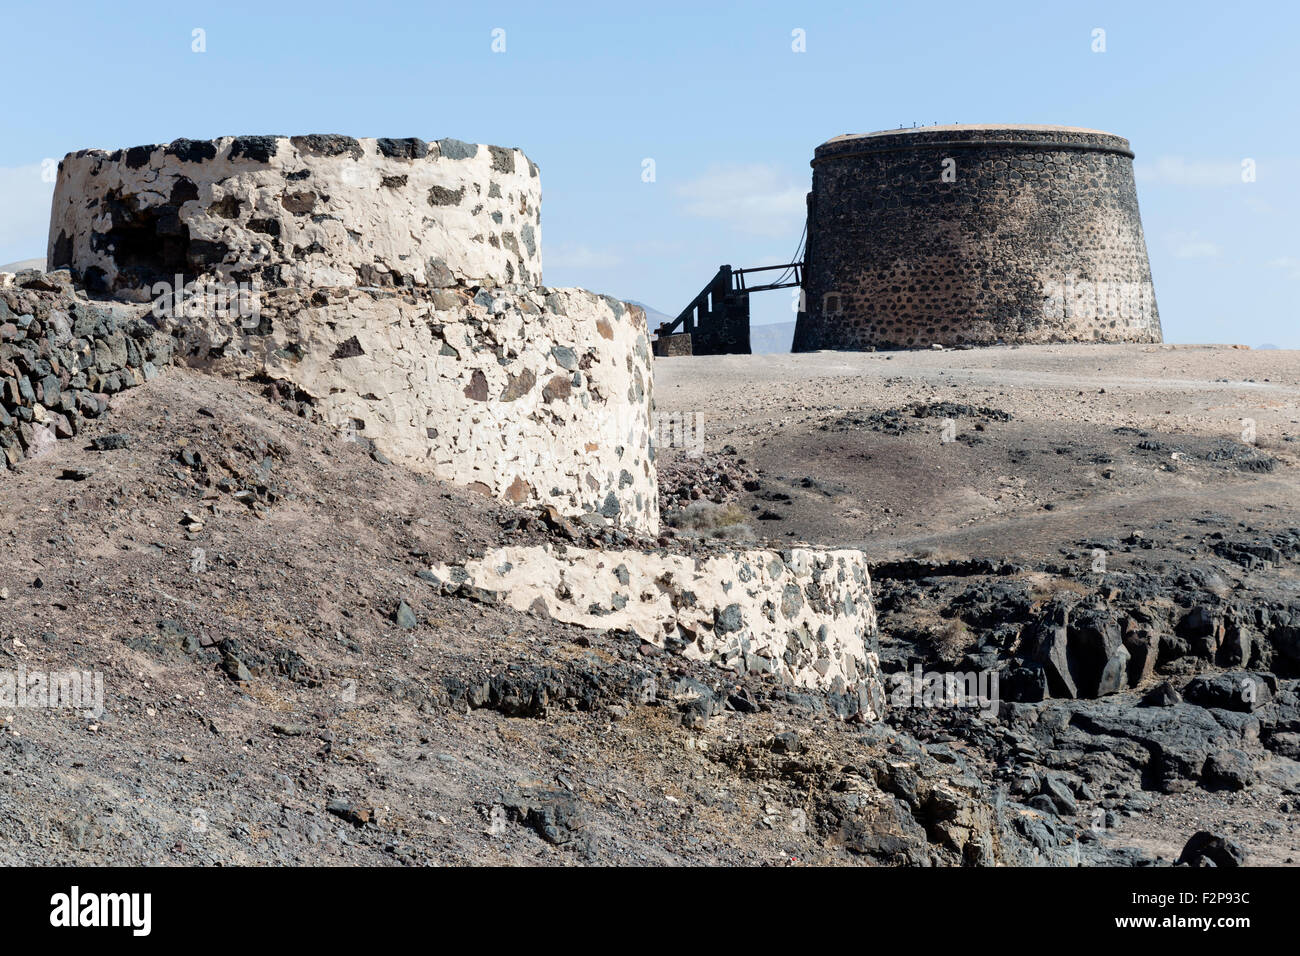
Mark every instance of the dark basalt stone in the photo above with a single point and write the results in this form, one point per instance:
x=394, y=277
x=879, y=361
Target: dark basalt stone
x=138, y=156
x=192, y=150
x=455, y=149
x=503, y=160
x=259, y=149
x=410, y=148
x=327, y=144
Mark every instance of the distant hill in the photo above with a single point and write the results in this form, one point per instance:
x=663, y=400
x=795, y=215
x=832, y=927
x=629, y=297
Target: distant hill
x=22, y=264
x=1269, y=346
x=653, y=317
x=771, y=339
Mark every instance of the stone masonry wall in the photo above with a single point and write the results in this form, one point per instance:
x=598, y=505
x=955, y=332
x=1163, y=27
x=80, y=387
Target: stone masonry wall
x=61, y=356
x=538, y=396
x=306, y=211
x=397, y=283
x=805, y=616
x=1036, y=238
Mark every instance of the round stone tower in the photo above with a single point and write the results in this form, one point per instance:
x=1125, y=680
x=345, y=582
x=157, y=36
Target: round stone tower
x=971, y=235
x=320, y=211
x=391, y=287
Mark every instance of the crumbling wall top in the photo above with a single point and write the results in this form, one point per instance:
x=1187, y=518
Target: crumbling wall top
x=304, y=211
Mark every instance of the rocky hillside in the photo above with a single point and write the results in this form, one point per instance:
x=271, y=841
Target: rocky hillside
x=282, y=682
x=1091, y=527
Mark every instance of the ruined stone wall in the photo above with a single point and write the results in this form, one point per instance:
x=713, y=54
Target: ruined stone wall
x=397, y=284
x=804, y=616
x=396, y=293
x=679, y=343
x=974, y=235
x=537, y=396
x=61, y=356
x=304, y=211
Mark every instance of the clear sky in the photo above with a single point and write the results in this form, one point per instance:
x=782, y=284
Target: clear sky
x=716, y=95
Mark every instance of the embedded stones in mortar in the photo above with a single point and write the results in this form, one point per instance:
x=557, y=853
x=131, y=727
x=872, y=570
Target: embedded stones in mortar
x=305, y=211
x=537, y=396
x=803, y=615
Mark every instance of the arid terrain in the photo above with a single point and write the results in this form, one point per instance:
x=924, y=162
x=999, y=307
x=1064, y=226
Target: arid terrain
x=1060, y=441
x=1168, y=464
x=283, y=683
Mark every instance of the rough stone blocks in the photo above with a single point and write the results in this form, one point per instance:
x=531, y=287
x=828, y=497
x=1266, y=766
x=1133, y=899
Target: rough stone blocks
x=974, y=235
x=679, y=343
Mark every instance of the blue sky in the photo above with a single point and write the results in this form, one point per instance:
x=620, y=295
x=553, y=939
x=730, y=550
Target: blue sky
x=717, y=97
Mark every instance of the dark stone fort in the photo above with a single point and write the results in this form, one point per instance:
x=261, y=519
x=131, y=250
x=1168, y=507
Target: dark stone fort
x=954, y=236
x=974, y=235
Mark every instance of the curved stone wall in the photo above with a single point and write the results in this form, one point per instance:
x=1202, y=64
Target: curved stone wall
x=974, y=235
x=804, y=615
x=537, y=396
x=395, y=284
x=305, y=211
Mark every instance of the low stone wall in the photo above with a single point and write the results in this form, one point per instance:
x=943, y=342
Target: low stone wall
x=679, y=343
x=62, y=356
x=304, y=211
x=803, y=615
x=537, y=396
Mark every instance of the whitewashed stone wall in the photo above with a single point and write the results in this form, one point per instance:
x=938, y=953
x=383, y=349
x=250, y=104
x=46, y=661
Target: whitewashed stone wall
x=804, y=615
x=307, y=211
x=398, y=284
x=537, y=396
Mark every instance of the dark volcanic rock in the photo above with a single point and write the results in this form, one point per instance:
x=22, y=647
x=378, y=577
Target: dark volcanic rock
x=1228, y=770
x=1205, y=848
x=557, y=817
x=1162, y=695
x=1240, y=691
x=1167, y=747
